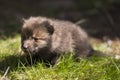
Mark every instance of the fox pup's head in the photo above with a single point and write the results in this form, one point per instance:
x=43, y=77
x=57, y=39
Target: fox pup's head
x=36, y=36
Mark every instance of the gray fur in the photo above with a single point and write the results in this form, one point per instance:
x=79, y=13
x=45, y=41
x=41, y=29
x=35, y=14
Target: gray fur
x=67, y=37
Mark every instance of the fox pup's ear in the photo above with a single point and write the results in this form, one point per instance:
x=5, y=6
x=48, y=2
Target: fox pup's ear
x=23, y=20
x=20, y=18
x=49, y=27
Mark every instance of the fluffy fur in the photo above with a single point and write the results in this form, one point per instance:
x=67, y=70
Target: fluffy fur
x=49, y=38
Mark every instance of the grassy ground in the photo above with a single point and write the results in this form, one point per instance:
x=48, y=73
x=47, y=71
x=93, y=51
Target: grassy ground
x=93, y=68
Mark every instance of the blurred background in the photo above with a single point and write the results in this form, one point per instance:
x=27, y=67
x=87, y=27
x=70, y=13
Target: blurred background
x=100, y=18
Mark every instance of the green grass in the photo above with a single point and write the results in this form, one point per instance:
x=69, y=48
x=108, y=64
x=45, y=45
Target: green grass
x=93, y=68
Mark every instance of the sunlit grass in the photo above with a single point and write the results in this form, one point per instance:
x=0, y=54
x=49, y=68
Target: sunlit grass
x=93, y=68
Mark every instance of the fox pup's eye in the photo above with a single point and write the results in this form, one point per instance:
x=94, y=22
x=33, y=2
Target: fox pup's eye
x=43, y=39
x=35, y=38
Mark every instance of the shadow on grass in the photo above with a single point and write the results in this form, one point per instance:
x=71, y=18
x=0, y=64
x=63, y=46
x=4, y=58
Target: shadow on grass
x=11, y=61
x=16, y=61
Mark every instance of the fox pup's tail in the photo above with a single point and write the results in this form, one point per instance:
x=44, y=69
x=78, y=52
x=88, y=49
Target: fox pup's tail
x=101, y=54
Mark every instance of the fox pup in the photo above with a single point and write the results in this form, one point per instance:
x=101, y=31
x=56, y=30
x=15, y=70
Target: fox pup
x=48, y=39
